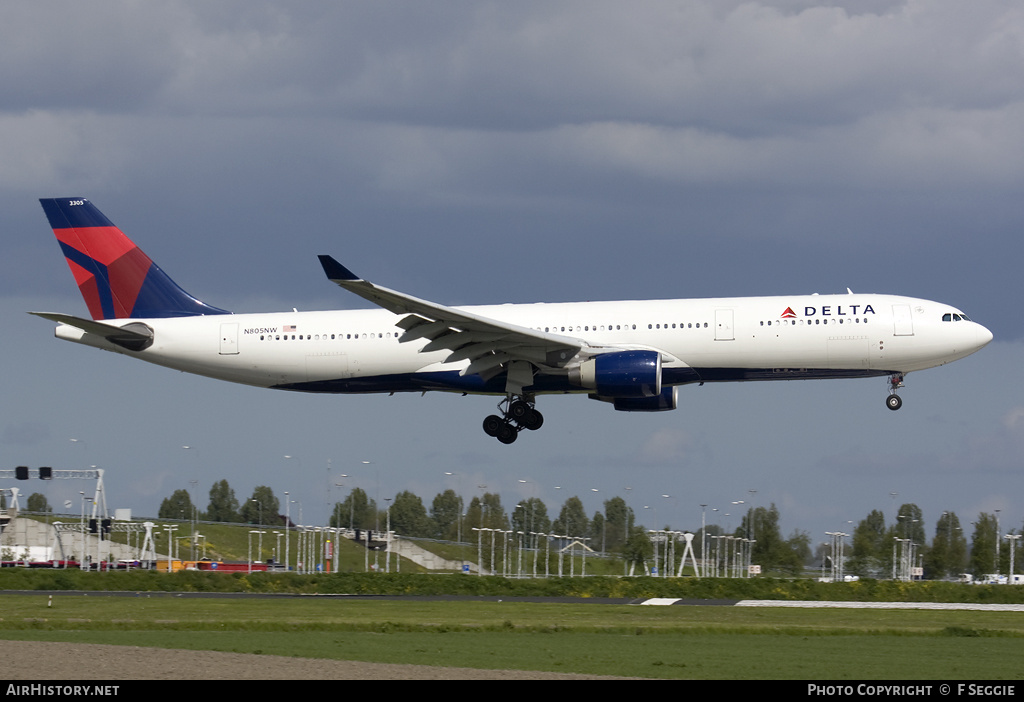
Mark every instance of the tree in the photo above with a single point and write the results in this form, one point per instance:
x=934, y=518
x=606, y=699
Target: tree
x=37, y=502
x=531, y=515
x=409, y=516
x=910, y=524
x=770, y=550
x=909, y=527
x=572, y=520
x=948, y=553
x=799, y=543
x=444, y=510
x=223, y=505
x=262, y=508
x=597, y=532
x=619, y=519
x=983, y=545
x=177, y=506
x=638, y=548
x=486, y=512
x=357, y=511
x=872, y=547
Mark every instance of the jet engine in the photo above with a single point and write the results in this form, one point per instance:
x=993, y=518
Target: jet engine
x=622, y=374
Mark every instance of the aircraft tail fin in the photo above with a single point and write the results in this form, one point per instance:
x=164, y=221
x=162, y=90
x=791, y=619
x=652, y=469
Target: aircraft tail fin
x=115, y=277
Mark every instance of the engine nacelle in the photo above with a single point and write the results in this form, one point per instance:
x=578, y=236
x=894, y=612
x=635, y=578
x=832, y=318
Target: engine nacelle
x=667, y=400
x=623, y=374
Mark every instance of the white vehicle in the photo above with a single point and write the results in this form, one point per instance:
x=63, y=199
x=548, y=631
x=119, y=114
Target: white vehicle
x=631, y=354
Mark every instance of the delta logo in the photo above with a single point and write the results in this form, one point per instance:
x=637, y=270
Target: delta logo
x=829, y=311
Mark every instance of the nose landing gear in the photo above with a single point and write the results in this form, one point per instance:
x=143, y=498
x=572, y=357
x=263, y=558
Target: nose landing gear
x=894, y=401
x=517, y=413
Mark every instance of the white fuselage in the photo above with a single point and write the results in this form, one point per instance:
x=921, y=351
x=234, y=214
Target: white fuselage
x=754, y=338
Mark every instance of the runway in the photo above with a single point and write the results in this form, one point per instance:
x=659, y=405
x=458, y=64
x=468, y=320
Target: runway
x=648, y=601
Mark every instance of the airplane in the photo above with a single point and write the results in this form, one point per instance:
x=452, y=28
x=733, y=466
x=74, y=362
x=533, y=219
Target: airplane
x=634, y=355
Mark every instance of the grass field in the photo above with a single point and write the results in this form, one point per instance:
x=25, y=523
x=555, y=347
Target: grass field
x=627, y=640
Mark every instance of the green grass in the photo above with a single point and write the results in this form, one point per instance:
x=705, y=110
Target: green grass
x=655, y=642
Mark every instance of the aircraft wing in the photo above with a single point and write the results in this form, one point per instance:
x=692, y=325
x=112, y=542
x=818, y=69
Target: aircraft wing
x=486, y=343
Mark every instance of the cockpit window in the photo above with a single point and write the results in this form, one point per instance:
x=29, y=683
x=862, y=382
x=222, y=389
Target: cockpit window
x=955, y=317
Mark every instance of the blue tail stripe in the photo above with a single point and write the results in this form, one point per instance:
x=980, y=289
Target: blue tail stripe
x=98, y=270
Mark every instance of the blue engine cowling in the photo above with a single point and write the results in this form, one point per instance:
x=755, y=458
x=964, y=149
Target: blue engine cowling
x=623, y=374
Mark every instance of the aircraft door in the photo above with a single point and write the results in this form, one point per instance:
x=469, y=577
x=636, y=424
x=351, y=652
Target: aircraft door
x=902, y=321
x=724, y=325
x=229, y=339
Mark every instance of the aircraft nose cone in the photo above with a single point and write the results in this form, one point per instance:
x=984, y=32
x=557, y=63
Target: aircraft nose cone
x=984, y=336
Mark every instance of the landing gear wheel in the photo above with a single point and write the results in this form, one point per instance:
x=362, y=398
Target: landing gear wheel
x=893, y=402
x=507, y=433
x=519, y=410
x=533, y=421
x=492, y=423
x=516, y=413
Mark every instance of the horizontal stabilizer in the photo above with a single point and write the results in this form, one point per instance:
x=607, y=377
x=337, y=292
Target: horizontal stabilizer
x=134, y=336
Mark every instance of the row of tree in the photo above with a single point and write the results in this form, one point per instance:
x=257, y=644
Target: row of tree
x=876, y=545
x=262, y=508
x=613, y=530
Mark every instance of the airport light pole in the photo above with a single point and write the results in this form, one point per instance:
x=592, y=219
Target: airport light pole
x=625, y=532
x=997, y=543
x=81, y=529
x=703, y=541
x=1012, y=538
x=387, y=538
x=287, y=530
x=479, y=550
x=458, y=517
x=192, y=498
x=170, y=529
x=287, y=538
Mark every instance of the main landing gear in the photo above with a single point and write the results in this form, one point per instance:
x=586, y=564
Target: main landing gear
x=517, y=413
x=894, y=401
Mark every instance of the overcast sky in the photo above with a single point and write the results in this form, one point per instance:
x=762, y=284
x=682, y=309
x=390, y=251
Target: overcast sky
x=484, y=152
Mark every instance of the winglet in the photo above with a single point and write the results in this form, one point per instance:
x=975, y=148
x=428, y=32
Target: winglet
x=336, y=271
